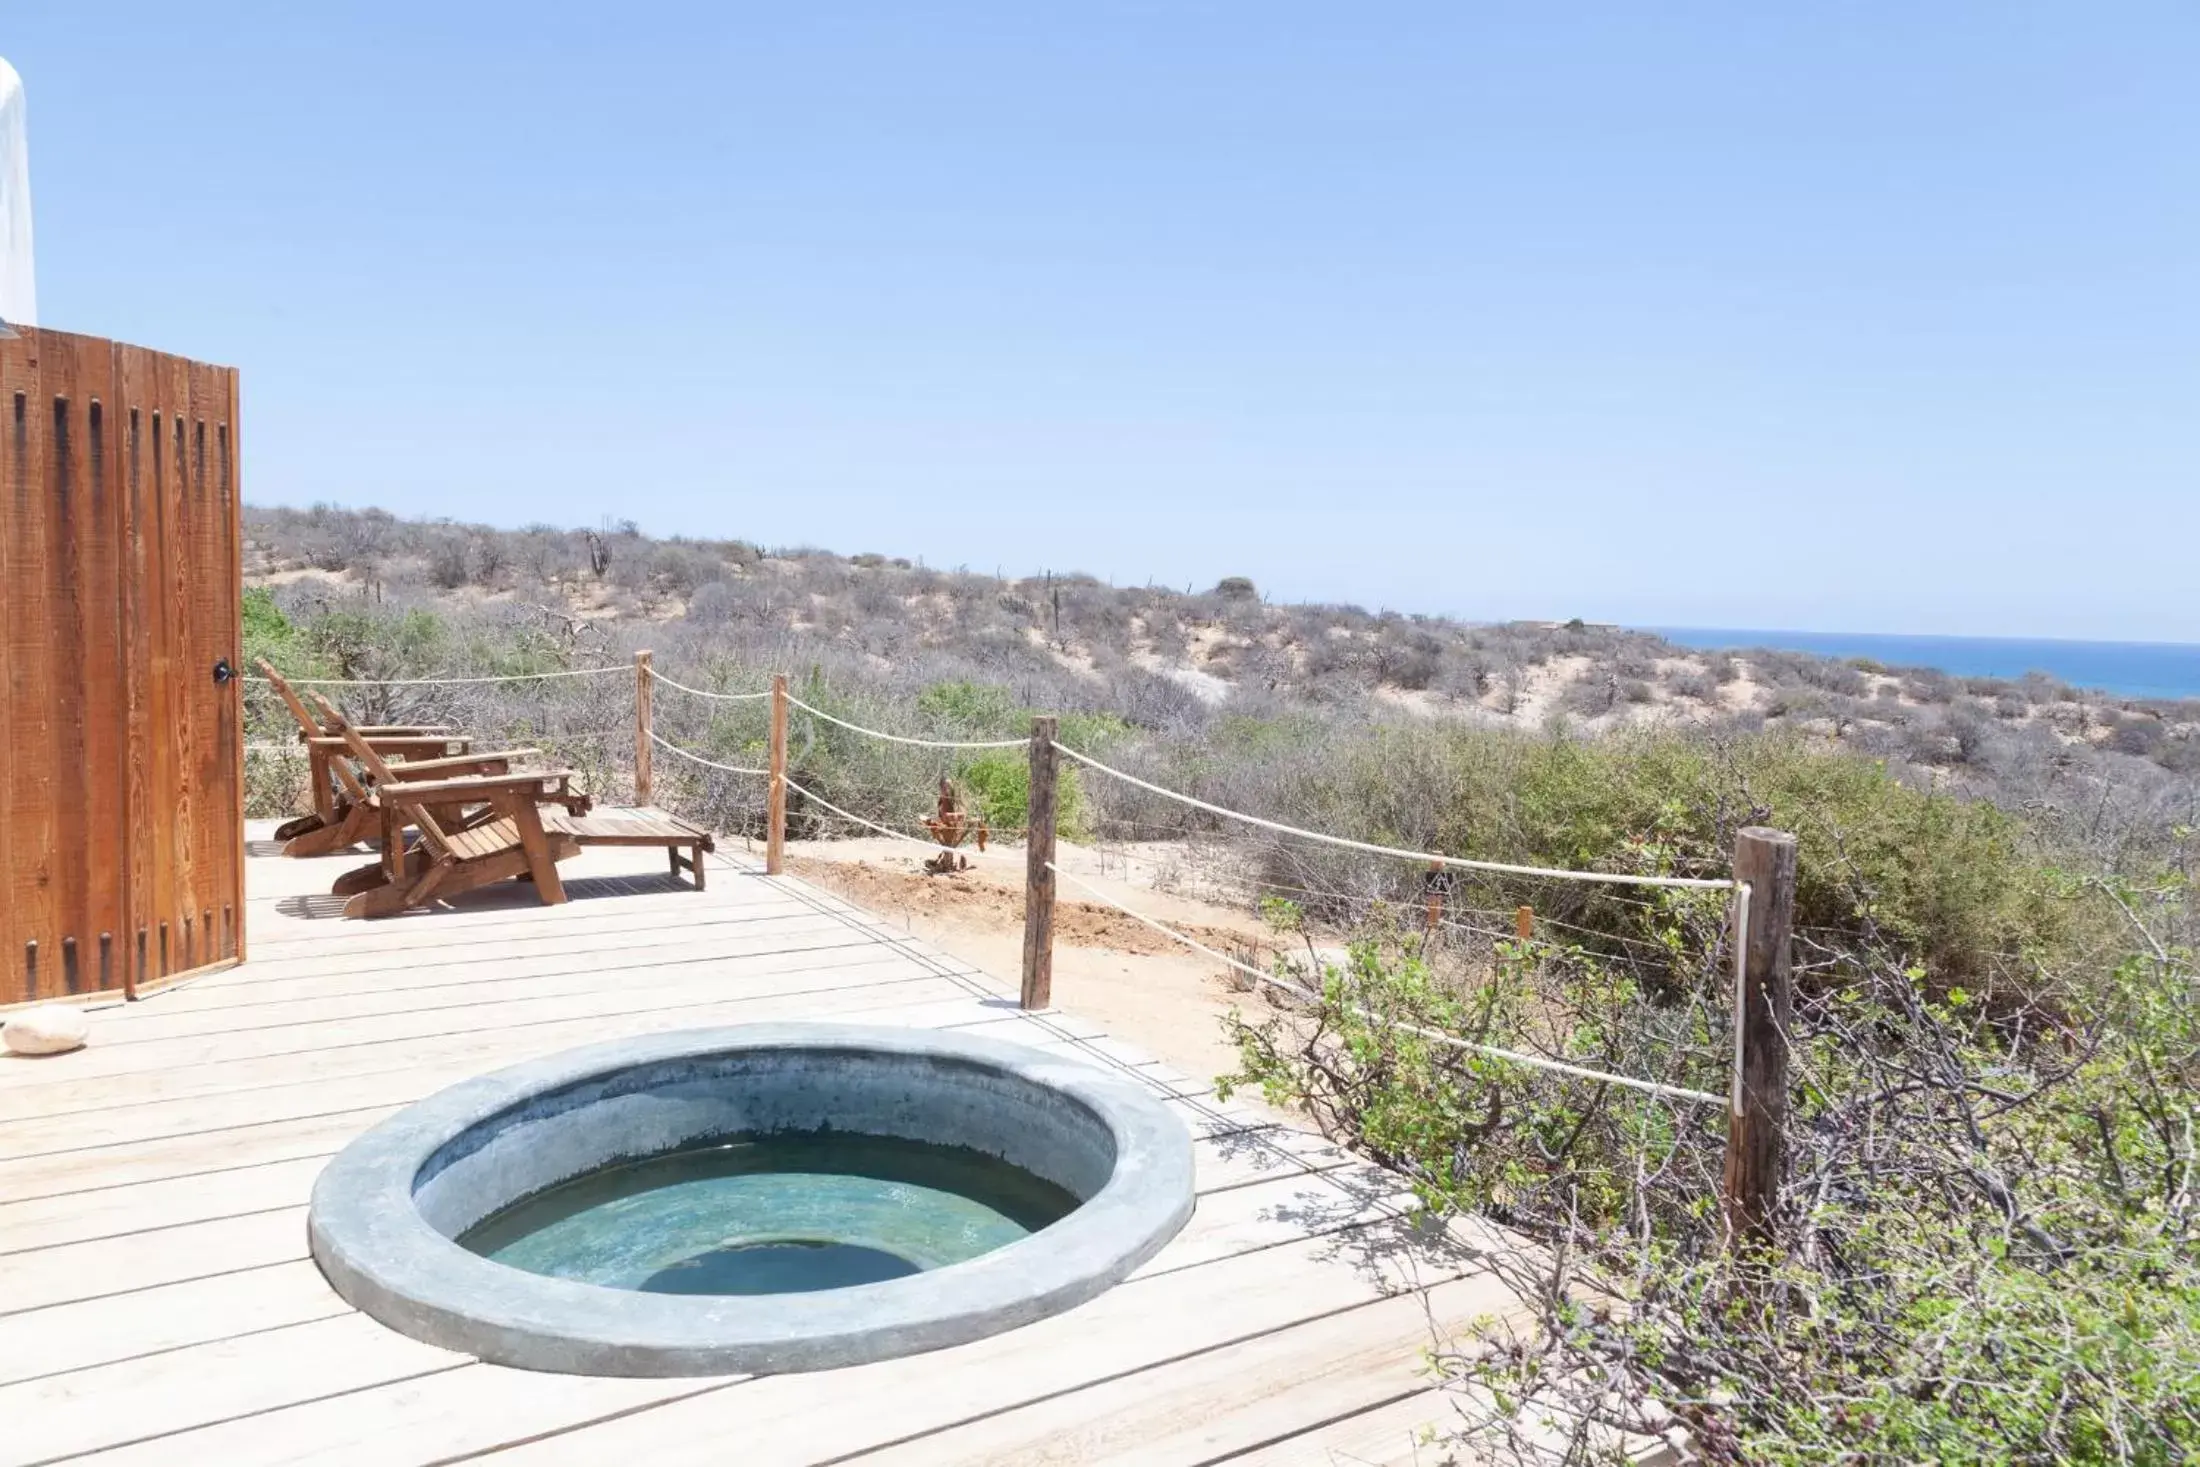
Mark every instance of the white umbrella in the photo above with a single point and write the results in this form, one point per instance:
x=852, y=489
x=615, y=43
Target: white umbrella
x=18, y=284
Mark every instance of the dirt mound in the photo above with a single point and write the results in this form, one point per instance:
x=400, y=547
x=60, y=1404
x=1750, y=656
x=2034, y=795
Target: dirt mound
x=972, y=898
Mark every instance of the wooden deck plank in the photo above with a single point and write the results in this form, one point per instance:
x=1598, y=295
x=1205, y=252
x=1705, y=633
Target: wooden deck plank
x=157, y=1305
x=265, y=1138
x=1401, y=1433
x=380, y=973
x=1136, y=1326
x=400, y=1041
x=1253, y=1396
x=320, y=976
x=194, y=1039
x=47, y=1342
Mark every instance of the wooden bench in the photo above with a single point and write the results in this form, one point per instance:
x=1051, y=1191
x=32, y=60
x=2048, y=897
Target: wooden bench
x=639, y=827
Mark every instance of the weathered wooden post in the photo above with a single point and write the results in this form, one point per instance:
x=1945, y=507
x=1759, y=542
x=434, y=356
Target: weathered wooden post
x=1432, y=888
x=1524, y=923
x=1038, y=990
x=644, y=776
x=1764, y=860
x=775, y=788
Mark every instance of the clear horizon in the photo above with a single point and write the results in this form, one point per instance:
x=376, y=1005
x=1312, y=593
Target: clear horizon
x=1721, y=319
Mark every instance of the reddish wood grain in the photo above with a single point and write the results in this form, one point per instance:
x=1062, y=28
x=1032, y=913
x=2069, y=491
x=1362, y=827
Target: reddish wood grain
x=121, y=765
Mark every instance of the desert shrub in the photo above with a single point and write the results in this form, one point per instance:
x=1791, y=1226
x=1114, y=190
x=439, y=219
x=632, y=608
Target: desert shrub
x=1412, y=664
x=1925, y=685
x=2138, y=736
x=1696, y=685
x=1983, y=1250
x=965, y=709
x=267, y=632
x=447, y=561
x=1594, y=693
x=1237, y=588
x=713, y=604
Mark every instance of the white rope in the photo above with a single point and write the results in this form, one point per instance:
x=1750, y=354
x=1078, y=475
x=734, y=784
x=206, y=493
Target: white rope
x=656, y=676
x=1651, y=1087
x=671, y=748
x=898, y=739
x=435, y=682
x=1689, y=883
x=888, y=830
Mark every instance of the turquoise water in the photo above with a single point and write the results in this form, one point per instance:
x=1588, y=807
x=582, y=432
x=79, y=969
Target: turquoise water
x=2129, y=669
x=772, y=1215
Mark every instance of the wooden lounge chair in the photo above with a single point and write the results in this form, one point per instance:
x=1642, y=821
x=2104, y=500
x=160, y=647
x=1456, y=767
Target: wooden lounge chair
x=506, y=839
x=342, y=817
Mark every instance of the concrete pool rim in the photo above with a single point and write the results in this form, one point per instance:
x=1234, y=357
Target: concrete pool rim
x=382, y=1254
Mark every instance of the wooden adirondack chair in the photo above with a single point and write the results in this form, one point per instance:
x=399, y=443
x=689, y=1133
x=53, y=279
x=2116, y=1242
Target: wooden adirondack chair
x=508, y=841
x=342, y=815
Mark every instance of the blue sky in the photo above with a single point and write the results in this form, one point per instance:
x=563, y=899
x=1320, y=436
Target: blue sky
x=1867, y=316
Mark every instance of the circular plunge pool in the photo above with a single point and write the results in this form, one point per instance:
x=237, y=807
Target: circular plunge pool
x=765, y=1198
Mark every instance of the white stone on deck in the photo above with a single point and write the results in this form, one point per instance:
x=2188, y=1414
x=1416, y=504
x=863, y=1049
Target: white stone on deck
x=53, y=1028
x=157, y=1304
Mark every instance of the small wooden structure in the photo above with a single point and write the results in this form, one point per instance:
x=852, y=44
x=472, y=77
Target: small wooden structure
x=121, y=751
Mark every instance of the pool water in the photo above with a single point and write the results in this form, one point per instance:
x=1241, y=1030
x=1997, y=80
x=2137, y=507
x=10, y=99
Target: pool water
x=781, y=1214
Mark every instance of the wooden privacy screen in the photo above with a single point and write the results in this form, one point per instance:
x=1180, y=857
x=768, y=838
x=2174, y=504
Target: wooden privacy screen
x=121, y=754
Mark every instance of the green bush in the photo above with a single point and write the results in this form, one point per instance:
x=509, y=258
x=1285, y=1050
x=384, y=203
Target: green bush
x=998, y=781
x=1986, y=1238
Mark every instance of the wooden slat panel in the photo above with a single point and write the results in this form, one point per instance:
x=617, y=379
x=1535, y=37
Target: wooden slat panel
x=31, y=733
x=210, y=707
x=177, y=573
x=11, y=941
x=120, y=793
x=141, y=613
x=90, y=556
x=232, y=491
x=63, y=492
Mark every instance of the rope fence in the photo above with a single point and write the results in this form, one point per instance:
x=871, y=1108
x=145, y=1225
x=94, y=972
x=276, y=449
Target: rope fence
x=437, y=682
x=714, y=697
x=671, y=748
x=1457, y=863
x=1759, y=923
x=794, y=702
x=1532, y=1061
x=887, y=830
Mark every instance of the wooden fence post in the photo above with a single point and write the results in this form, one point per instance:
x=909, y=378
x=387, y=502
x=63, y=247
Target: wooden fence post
x=1038, y=990
x=1432, y=887
x=775, y=788
x=644, y=776
x=1757, y=1110
x=1524, y=923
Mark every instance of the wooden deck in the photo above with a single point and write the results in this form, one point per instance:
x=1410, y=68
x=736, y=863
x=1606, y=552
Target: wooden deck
x=157, y=1304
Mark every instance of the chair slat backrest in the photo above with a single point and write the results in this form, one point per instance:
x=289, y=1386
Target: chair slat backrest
x=311, y=727
x=386, y=785
x=289, y=695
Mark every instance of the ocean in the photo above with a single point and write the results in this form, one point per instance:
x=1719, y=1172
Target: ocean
x=2127, y=669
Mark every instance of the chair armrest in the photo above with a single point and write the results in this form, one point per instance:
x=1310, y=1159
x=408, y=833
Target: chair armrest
x=478, y=786
x=412, y=769
x=435, y=745
x=393, y=731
